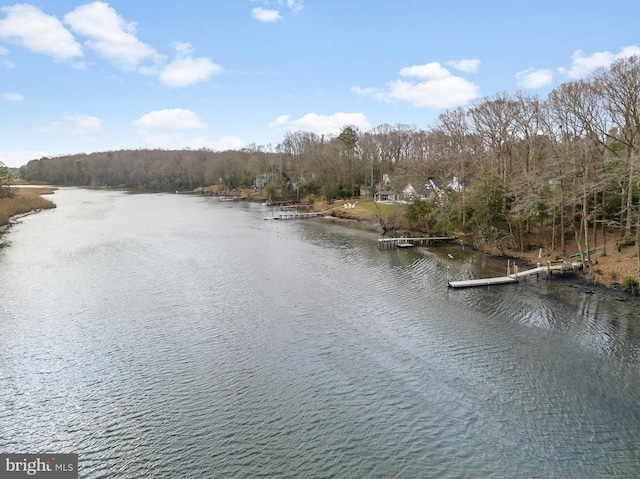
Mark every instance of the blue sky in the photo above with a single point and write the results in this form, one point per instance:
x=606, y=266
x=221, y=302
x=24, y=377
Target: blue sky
x=79, y=76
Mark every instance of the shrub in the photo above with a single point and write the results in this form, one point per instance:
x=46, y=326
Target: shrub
x=630, y=284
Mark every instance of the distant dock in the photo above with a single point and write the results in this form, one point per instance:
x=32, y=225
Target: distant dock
x=404, y=242
x=292, y=215
x=552, y=266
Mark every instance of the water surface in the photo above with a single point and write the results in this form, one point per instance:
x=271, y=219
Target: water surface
x=178, y=336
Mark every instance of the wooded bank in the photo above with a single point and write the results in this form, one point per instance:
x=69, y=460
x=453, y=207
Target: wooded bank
x=562, y=169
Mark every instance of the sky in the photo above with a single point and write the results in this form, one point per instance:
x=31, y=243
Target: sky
x=85, y=76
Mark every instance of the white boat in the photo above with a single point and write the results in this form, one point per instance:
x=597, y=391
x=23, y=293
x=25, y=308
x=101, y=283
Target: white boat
x=404, y=243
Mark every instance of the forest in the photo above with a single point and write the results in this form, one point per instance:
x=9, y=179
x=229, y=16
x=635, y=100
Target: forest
x=565, y=166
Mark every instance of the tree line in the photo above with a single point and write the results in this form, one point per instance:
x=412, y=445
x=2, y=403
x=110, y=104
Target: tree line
x=566, y=164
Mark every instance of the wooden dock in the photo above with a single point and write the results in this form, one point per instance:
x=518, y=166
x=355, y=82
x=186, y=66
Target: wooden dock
x=292, y=215
x=557, y=266
x=404, y=242
x=470, y=283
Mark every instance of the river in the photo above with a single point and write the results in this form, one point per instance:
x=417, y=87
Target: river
x=175, y=336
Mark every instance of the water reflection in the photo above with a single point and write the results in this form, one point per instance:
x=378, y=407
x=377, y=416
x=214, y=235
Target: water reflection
x=600, y=320
x=184, y=337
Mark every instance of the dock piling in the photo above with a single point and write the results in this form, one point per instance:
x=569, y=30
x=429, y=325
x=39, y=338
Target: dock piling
x=393, y=243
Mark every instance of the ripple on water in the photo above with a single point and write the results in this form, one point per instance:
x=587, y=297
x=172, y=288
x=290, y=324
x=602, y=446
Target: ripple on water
x=192, y=339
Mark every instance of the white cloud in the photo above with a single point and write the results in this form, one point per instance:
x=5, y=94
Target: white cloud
x=282, y=120
x=228, y=142
x=109, y=35
x=29, y=27
x=14, y=159
x=531, y=78
x=270, y=14
x=363, y=91
x=170, y=119
x=441, y=93
x=75, y=124
x=3, y=61
x=584, y=65
x=170, y=129
x=182, y=48
x=294, y=6
x=186, y=70
x=264, y=15
x=432, y=71
x=322, y=124
x=83, y=124
x=166, y=128
x=436, y=88
x=465, y=65
x=631, y=50
x=12, y=96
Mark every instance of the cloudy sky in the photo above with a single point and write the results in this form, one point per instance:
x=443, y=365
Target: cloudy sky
x=223, y=74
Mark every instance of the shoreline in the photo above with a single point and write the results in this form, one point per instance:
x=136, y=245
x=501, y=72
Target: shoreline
x=13, y=220
x=24, y=201
x=609, y=272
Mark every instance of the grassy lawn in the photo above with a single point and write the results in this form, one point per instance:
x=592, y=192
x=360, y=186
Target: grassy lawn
x=24, y=200
x=368, y=210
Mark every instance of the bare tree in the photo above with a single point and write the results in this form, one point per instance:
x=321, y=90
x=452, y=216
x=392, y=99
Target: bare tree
x=455, y=128
x=620, y=90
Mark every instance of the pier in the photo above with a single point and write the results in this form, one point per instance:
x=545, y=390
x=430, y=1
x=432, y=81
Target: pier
x=292, y=215
x=404, y=242
x=557, y=266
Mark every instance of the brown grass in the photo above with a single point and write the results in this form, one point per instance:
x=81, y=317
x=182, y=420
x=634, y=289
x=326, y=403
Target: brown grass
x=24, y=200
x=364, y=210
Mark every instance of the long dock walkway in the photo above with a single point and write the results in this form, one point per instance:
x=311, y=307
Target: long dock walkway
x=292, y=215
x=558, y=266
x=404, y=242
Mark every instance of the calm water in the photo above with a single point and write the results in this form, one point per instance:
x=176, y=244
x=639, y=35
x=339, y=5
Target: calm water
x=181, y=337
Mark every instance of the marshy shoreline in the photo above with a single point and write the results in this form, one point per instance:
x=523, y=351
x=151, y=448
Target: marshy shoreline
x=22, y=201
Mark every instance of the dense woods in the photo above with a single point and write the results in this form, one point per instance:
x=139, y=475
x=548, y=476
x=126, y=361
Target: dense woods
x=565, y=165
